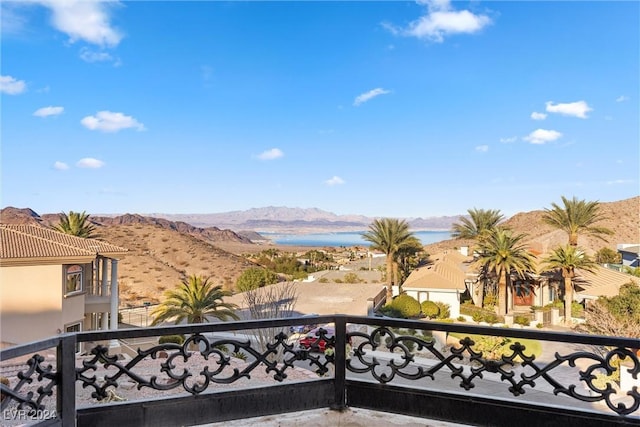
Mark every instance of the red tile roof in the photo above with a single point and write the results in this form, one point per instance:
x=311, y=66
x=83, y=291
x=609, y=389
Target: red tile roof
x=32, y=241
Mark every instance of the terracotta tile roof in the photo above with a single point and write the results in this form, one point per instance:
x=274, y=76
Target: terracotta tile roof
x=604, y=282
x=445, y=273
x=32, y=241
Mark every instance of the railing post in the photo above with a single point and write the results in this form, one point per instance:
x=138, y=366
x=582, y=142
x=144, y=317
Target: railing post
x=340, y=364
x=66, y=388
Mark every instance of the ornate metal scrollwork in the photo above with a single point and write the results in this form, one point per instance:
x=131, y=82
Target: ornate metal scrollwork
x=28, y=401
x=219, y=370
x=476, y=364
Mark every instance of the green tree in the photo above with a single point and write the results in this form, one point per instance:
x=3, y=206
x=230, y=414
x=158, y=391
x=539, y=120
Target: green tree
x=388, y=235
x=407, y=259
x=608, y=256
x=567, y=259
x=576, y=217
x=480, y=222
x=194, y=299
x=253, y=278
x=634, y=271
x=76, y=224
x=617, y=316
x=504, y=254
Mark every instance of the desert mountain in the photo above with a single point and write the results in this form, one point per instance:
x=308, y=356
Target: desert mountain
x=622, y=217
x=296, y=220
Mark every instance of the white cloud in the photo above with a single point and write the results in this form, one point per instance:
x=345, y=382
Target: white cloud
x=88, y=55
x=509, y=140
x=538, y=116
x=576, y=109
x=619, y=181
x=84, y=20
x=542, y=136
x=335, y=180
x=61, y=166
x=482, y=148
x=622, y=98
x=274, y=153
x=367, y=96
x=90, y=163
x=107, y=121
x=12, y=86
x=440, y=21
x=48, y=111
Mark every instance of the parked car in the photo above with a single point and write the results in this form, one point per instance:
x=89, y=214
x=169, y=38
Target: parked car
x=303, y=329
x=314, y=342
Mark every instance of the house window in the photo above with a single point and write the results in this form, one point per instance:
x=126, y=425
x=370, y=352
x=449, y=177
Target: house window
x=73, y=282
x=76, y=327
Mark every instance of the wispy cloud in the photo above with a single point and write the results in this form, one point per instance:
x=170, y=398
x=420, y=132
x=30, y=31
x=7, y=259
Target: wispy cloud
x=334, y=180
x=48, y=111
x=89, y=21
x=61, y=166
x=538, y=116
x=509, y=139
x=576, y=109
x=482, y=148
x=11, y=85
x=89, y=55
x=107, y=121
x=620, y=181
x=90, y=163
x=11, y=20
x=272, y=154
x=441, y=20
x=368, y=96
x=622, y=98
x=542, y=136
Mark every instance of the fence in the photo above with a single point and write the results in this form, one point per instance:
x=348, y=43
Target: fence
x=478, y=375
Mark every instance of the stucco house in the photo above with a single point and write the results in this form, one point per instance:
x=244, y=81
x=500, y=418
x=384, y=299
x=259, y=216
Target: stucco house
x=51, y=283
x=630, y=254
x=442, y=281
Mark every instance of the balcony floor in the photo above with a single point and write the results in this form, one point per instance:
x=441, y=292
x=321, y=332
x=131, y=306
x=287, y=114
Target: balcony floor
x=352, y=417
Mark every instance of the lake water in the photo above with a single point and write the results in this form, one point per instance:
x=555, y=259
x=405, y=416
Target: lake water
x=346, y=238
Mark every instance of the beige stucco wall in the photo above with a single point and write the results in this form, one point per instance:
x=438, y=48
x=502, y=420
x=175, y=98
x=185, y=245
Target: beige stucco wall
x=31, y=303
x=448, y=297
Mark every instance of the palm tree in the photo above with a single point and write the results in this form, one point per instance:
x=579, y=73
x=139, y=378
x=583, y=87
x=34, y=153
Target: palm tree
x=389, y=235
x=567, y=259
x=503, y=253
x=576, y=216
x=480, y=222
x=194, y=299
x=76, y=224
x=406, y=258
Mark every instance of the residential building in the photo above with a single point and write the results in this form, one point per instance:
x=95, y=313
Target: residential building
x=630, y=254
x=51, y=283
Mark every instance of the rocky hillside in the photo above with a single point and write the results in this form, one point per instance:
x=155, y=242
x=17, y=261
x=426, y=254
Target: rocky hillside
x=160, y=252
x=622, y=217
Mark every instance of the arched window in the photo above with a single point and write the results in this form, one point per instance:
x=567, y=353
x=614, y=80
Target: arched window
x=73, y=281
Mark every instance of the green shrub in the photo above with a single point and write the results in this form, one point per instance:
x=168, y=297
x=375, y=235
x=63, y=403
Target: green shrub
x=522, y=320
x=462, y=319
x=254, y=278
x=490, y=300
x=445, y=310
x=430, y=309
x=493, y=348
x=491, y=318
x=338, y=280
x=175, y=339
x=478, y=316
x=323, y=280
x=351, y=278
x=239, y=355
x=408, y=306
x=390, y=311
x=577, y=310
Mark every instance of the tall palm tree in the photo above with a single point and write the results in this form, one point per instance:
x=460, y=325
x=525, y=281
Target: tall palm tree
x=480, y=222
x=575, y=217
x=504, y=253
x=389, y=235
x=406, y=259
x=194, y=299
x=567, y=259
x=76, y=224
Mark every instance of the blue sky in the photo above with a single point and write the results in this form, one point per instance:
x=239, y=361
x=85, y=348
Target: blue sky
x=405, y=109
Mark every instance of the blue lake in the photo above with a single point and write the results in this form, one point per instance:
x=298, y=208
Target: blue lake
x=346, y=238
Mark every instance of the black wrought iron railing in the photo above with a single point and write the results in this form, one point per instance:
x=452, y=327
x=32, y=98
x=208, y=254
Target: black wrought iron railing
x=222, y=371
